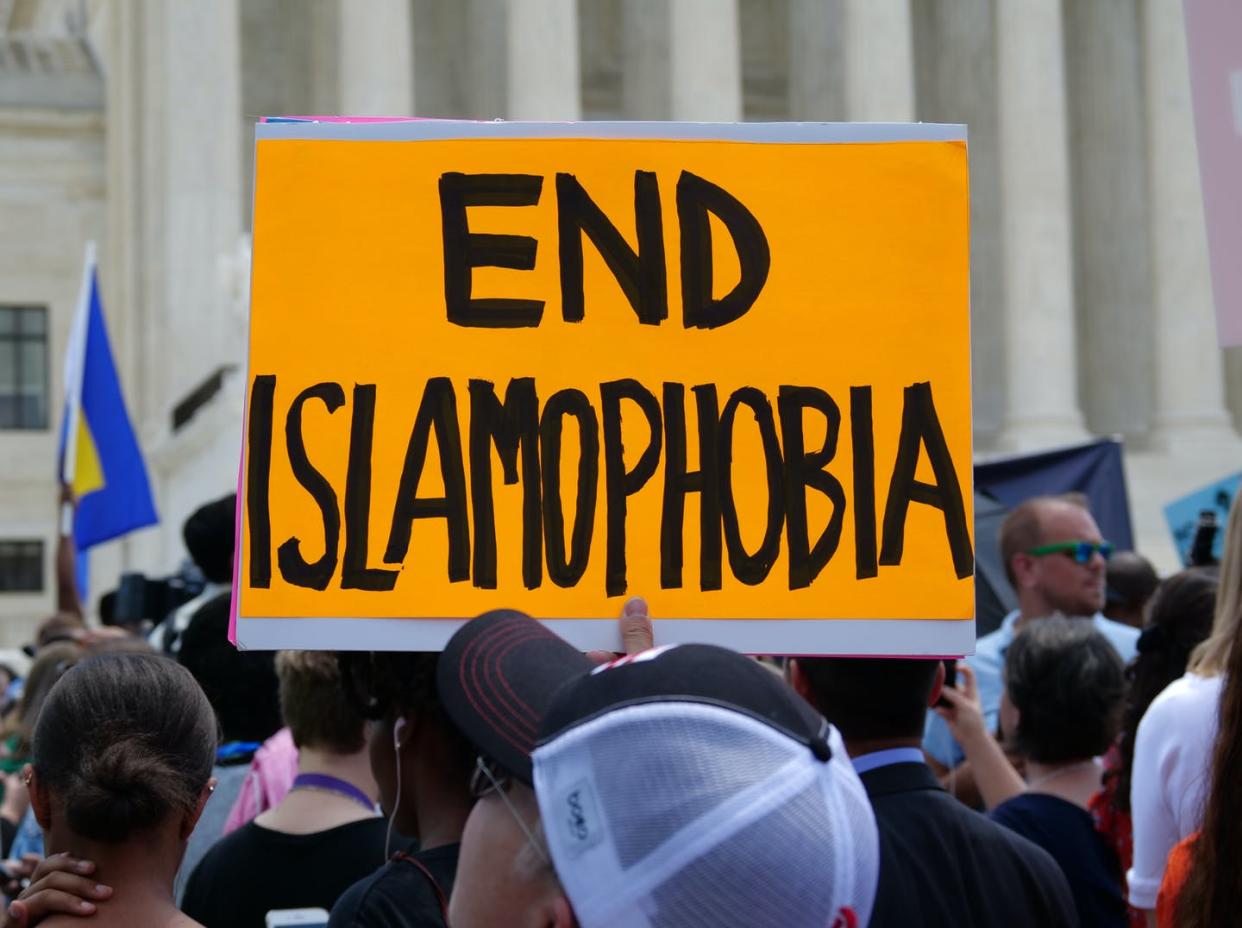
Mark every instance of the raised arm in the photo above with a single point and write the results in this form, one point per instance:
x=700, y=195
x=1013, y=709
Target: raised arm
x=994, y=776
x=67, y=599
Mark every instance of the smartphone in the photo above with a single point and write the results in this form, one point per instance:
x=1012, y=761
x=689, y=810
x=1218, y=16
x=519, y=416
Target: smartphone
x=301, y=918
x=950, y=677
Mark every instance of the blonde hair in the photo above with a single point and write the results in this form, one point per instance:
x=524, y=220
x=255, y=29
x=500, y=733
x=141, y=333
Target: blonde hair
x=1210, y=658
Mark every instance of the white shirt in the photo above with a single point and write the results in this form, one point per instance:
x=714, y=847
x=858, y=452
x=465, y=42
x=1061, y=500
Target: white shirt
x=1171, y=778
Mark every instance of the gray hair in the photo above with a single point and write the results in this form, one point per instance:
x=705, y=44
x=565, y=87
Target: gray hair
x=1068, y=685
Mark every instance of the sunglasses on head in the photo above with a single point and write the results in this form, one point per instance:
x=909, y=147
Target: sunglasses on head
x=1080, y=552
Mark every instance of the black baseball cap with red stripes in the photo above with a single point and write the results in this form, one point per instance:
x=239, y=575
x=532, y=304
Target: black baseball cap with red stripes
x=496, y=679
x=510, y=684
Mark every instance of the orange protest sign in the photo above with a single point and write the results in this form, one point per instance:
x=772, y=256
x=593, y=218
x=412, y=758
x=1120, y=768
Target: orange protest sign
x=503, y=365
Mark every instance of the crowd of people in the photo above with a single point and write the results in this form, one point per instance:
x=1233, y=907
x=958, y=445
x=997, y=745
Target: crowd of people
x=1078, y=770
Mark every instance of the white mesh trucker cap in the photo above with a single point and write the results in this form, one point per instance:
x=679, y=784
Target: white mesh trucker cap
x=688, y=786
x=685, y=787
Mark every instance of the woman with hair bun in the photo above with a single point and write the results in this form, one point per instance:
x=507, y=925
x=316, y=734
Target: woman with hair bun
x=121, y=769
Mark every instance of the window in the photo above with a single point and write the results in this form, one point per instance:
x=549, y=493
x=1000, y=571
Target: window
x=21, y=567
x=23, y=367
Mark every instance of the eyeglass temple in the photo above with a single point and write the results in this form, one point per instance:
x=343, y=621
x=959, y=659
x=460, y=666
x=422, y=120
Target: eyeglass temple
x=526, y=830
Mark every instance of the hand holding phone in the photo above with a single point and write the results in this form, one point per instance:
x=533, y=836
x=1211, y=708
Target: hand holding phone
x=961, y=708
x=950, y=678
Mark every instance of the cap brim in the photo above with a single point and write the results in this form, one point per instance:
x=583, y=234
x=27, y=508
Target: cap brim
x=696, y=673
x=496, y=679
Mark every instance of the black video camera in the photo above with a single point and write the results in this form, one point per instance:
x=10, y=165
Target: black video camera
x=140, y=598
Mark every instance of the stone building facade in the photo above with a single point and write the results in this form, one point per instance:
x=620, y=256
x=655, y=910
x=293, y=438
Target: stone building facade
x=130, y=122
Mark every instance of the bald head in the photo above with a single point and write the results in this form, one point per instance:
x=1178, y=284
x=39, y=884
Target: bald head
x=1053, y=582
x=1022, y=529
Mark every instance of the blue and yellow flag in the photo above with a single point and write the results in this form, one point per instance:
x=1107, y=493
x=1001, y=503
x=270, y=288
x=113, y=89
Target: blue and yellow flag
x=99, y=454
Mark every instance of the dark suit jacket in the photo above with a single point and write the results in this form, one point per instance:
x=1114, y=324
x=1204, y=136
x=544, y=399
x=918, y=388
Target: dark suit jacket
x=944, y=864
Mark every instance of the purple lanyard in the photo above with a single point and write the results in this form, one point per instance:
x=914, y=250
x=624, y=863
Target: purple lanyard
x=331, y=784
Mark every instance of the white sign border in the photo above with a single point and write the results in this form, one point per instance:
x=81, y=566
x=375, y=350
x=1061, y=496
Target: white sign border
x=908, y=637
x=423, y=130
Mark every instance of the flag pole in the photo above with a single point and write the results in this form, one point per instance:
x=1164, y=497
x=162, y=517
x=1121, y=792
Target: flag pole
x=75, y=363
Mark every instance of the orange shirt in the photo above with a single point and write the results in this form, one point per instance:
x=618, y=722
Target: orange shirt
x=1175, y=873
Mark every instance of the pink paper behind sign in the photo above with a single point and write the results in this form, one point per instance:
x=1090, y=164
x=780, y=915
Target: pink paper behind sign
x=1214, y=40
x=235, y=598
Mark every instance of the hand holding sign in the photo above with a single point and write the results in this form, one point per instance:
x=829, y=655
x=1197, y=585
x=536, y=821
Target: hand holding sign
x=634, y=625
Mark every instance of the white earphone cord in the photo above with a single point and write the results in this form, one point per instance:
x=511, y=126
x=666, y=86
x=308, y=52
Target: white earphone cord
x=396, y=803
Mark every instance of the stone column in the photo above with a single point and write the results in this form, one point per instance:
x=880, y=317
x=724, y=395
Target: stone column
x=1190, y=394
x=542, y=53
x=175, y=226
x=126, y=255
x=376, y=64
x=121, y=251
x=816, y=78
x=1041, y=403
x=197, y=146
x=486, y=79
x=682, y=60
x=705, y=60
x=645, y=50
x=879, y=61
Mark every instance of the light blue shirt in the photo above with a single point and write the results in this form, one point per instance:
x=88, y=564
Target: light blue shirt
x=210, y=827
x=988, y=663
x=876, y=759
x=29, y=838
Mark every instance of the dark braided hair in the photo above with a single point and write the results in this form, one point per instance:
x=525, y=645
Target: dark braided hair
x=385, y=685
x=1178, y=619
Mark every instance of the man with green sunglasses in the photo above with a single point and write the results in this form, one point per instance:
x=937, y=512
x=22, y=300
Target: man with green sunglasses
x=1054, y=557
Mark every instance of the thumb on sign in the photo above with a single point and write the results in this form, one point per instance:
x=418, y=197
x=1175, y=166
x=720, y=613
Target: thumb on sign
x=637, y=634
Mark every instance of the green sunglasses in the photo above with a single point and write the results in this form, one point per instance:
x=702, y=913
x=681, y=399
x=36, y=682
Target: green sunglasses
x=1080, y=551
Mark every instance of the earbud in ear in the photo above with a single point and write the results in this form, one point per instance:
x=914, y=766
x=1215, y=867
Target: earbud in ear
x=396, y=803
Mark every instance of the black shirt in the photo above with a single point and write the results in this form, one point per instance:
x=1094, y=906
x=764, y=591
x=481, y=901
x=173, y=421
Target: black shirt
x=399, y=895
x=248, y=873
x=943, y=865
x=1067, y=832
